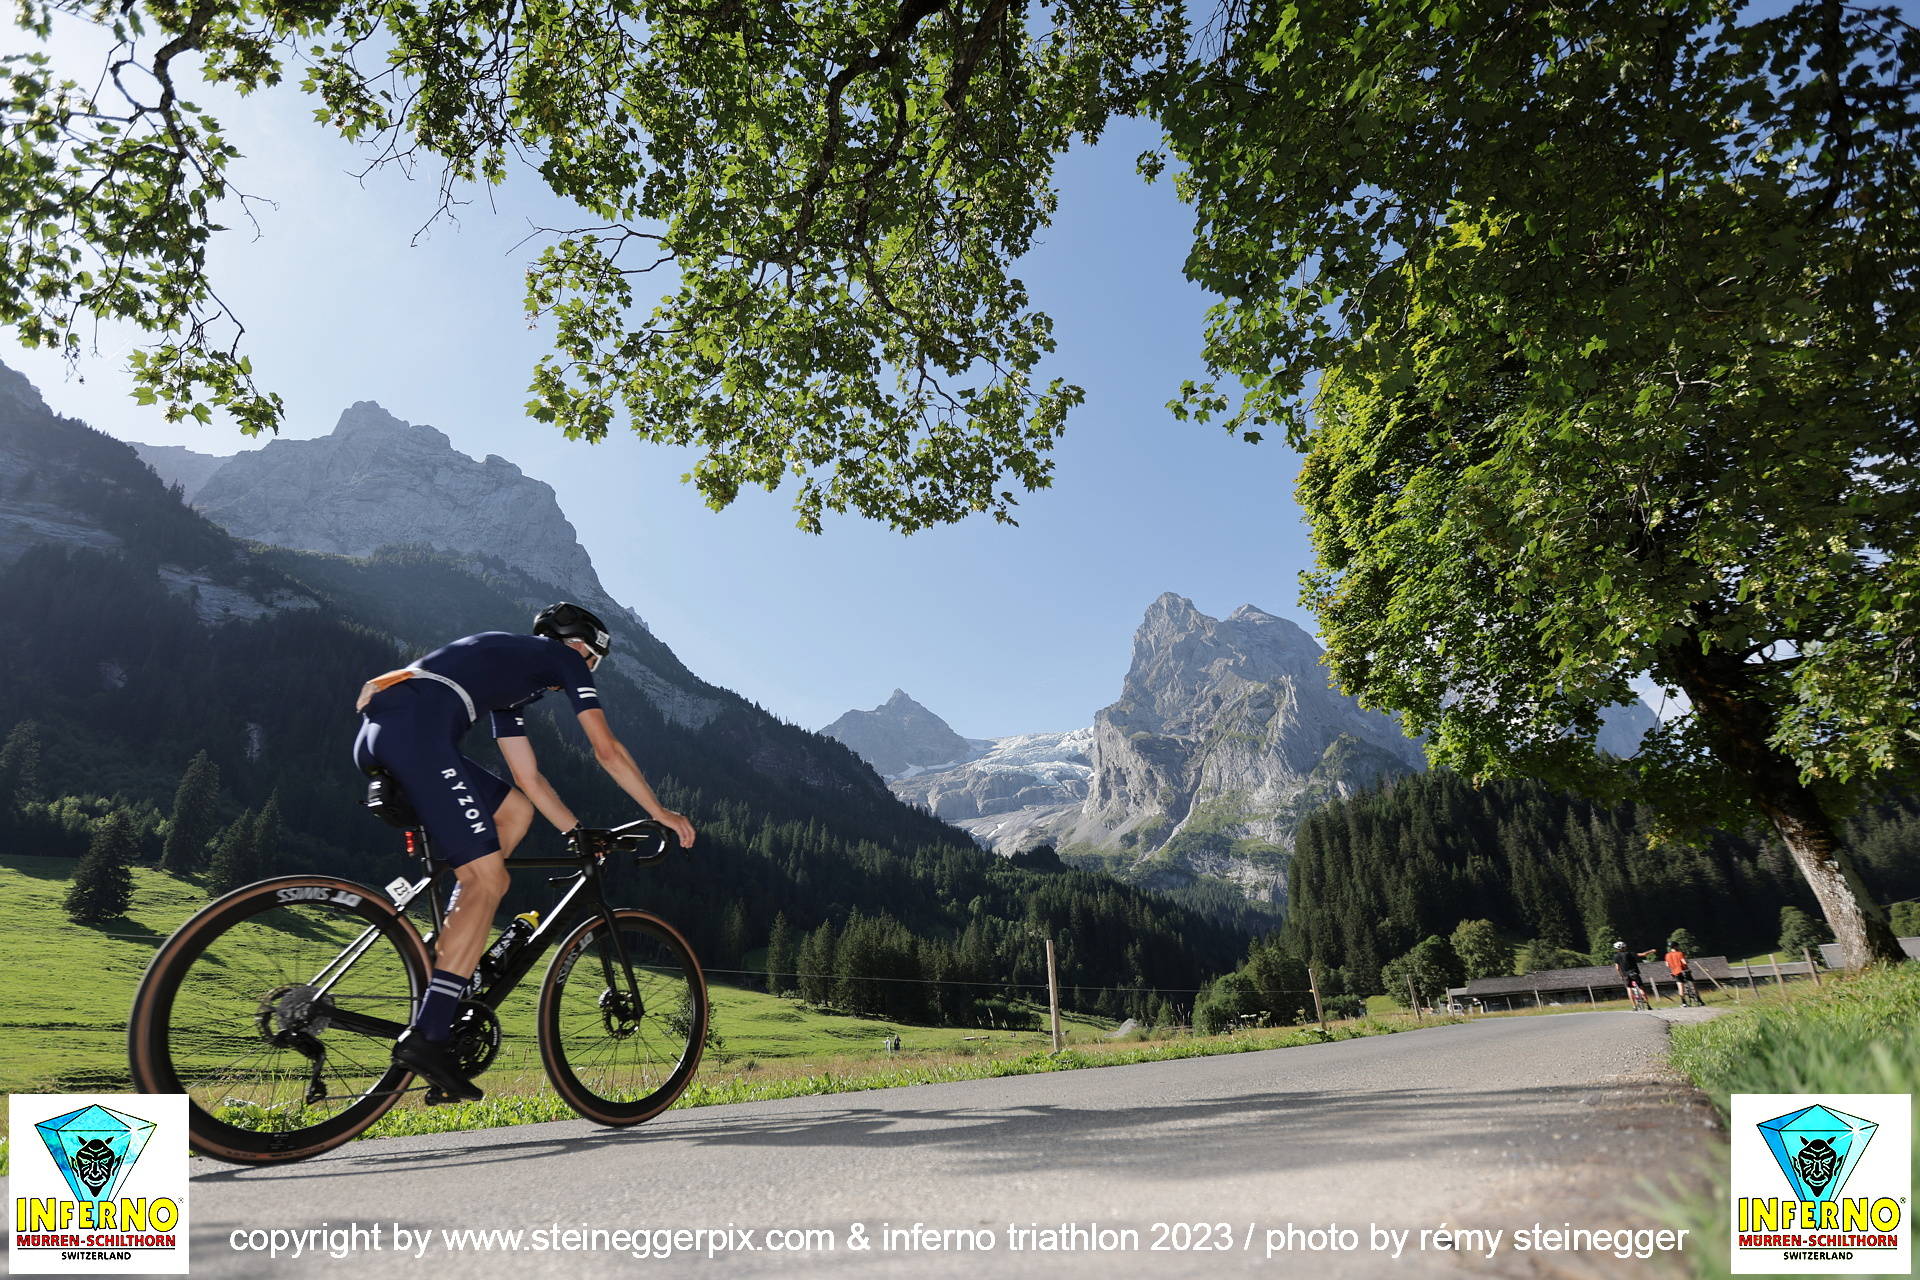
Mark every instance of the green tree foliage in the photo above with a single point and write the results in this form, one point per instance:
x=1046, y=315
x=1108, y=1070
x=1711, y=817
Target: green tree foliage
x=103, y=880
x=267, y=851
x=1426, y=971
x=1622, y=385
x=195, y=817
x=1905, y=917
x=816, y=964
x=1373, y=874
x=1482, y=952
x=780, y=956
x=1685, y=941
x=235, y=861
x=838, y=191
x=1800, y=931
x=20, y=767
x=1224, y=1003
x=1538, y=955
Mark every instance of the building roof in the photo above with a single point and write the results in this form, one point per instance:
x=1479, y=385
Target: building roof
x=1552, y=981
x=1830, y=952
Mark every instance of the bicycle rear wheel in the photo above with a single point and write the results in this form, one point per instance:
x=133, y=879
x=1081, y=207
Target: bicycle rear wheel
x=275, y=1010
x=622, y=1027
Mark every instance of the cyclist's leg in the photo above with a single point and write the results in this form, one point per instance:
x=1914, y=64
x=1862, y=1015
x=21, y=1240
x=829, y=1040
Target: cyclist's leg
x=478, y=856
x=456, y=798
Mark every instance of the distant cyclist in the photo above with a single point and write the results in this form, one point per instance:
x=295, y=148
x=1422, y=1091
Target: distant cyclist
x=1627, y=964
x=411, y=725
x=1682, y=974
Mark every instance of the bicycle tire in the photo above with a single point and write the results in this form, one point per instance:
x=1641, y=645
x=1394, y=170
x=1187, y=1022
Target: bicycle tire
x=631, y=1068
x=217, y=964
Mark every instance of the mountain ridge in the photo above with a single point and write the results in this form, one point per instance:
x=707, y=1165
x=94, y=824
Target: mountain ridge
x=1226, y=734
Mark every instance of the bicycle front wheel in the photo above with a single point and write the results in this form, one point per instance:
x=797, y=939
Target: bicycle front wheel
x=623, y=1018
x=275, y=1010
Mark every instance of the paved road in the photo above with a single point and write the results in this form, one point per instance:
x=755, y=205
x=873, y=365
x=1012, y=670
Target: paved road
x=1497, y=1124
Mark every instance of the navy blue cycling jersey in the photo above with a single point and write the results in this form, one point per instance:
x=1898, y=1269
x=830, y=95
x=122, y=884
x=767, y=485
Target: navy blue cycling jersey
x=413, y=729
x=502, y=672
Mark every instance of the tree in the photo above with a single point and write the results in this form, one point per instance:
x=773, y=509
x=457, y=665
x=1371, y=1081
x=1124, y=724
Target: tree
x=816, y=964
x=265, y=851
x=1481, y=951
x=1684, y=939
x=1431, y=967
x=780, y=956
x=195, y=817
x=235, y=861
x=1231, y=997
x=103, y=880
x=839, y=212
x=20, y=766
x=1540, y=955
x=1799, y=931
x=1619, y=390
x=1595, y=322
x=1905, y=918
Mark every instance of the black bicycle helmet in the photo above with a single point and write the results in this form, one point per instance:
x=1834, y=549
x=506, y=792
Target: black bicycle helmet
x=566, y=621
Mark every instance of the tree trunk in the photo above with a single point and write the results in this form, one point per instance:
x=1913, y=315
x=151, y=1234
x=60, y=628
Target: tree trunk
x=1723, y=695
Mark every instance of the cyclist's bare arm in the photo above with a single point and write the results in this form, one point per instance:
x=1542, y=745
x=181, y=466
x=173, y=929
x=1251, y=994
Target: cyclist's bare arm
x=613, y=757
x=518, y=753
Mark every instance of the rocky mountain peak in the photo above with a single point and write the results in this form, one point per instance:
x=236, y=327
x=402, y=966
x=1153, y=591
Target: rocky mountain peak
x=377, y=480
x=15, y=387
x=900, y=737
x=367, y=419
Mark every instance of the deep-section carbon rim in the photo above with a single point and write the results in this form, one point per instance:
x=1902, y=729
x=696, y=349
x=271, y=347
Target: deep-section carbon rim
x=281, y=1047
x=619, y=1050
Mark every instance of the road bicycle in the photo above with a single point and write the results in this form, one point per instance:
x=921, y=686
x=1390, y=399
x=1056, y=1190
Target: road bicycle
x=1689, y=994
x=275, y=1008
x=1638, y=997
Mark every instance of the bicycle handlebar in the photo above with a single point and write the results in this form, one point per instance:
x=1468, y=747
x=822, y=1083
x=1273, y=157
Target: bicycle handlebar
x=646, y=840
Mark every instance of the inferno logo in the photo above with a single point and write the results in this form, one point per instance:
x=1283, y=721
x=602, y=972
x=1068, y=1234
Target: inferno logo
x=1816, y=1162
x=95, y=1161
x=1817, y=1149
x=94, y=1147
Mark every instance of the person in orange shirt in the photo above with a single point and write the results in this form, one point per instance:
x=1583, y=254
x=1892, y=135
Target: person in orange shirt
x=1682, y=977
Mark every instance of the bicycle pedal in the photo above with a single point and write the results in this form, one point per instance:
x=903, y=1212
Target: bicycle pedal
x=436, y=1097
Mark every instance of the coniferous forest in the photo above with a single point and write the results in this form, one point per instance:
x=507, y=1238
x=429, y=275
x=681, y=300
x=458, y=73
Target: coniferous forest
x=222, y=747
x=1375, y=874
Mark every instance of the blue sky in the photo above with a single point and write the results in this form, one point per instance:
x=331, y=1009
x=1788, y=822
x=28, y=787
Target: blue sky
x=999, y=630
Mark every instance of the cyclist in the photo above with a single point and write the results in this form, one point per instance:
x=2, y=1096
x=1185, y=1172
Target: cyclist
x=1627, y=964
x=412, y=720
x=1682, y=978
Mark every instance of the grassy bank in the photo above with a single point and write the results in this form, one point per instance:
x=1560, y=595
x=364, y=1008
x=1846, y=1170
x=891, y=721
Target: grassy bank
x=1854, y=1034
x=1849, y=1035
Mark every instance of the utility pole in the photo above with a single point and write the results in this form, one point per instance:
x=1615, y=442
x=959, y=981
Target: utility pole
x=1313, y=983
x=1053, y=995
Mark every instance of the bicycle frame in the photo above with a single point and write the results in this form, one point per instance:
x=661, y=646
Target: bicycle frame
x=561, y=919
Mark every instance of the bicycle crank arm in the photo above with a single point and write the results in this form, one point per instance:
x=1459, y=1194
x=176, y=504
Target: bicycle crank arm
x=365, y=1024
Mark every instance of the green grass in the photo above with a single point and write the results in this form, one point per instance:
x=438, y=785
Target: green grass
x=67, y=991
x=1848, y=1035
x=1851, y=1034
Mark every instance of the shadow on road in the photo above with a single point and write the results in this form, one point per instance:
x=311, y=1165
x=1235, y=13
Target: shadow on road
x=1272, y=1131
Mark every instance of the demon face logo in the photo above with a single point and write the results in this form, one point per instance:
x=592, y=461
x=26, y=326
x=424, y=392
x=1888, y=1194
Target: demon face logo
x=1816, y=1162
x=95, y=1162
